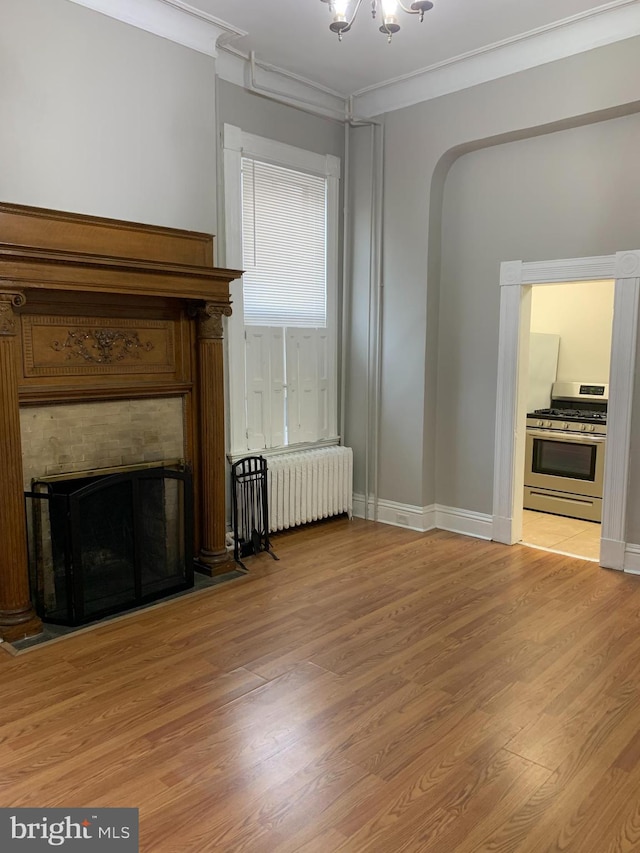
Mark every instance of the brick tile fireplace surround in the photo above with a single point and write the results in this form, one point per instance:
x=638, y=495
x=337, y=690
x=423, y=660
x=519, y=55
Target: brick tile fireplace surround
x=111, y=353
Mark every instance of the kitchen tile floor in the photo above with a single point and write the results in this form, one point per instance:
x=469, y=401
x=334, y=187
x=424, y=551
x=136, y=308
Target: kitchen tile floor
x=557, y=533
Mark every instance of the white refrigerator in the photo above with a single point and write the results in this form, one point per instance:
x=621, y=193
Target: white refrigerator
x=543, y=368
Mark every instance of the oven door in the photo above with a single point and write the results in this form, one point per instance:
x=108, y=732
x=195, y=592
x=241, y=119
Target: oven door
x=565, y=462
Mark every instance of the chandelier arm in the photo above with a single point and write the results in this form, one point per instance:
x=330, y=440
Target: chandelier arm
x=422, y=7
x=353, y=17
x=390, y=25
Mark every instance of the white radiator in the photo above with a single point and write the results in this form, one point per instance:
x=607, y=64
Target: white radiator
x=309, y=485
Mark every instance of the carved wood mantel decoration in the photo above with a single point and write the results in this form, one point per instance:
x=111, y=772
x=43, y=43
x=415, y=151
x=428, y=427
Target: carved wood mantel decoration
x=97, y=309
x=102, y=346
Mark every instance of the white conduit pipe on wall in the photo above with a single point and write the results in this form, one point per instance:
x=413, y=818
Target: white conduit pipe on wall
x=370, y=325
x=374, y=344
x=297, y=103
x=375, y=304
x=346, y=261
x=378, y=289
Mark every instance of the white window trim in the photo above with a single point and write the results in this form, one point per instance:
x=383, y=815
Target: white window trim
x=238, y=143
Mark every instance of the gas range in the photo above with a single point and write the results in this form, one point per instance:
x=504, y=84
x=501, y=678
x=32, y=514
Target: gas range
x=569, y=419
x=565, y=452
x=575, y=407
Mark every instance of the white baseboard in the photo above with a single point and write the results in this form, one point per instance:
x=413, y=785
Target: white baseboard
x=397, y=514
x=464, y=521
x=425, y=518
x=502, y=530
x=612, y=554
x=632, y=559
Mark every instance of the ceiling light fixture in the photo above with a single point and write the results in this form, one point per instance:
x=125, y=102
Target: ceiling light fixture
x=342, y=20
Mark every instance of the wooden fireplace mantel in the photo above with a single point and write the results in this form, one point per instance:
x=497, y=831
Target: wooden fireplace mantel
x=65, y=251
x=66, y=279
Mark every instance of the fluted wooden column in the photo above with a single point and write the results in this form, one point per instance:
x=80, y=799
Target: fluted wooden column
x=17, y=617
x=213, y=553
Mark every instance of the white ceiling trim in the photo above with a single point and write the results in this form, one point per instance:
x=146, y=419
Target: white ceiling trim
x=601, y=26
x=182, y=23
x=170, y=19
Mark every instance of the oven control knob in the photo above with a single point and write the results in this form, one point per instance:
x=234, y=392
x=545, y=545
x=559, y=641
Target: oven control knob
x=565, y=426
x=546, y=423
x=539, y=423
x=588, y=427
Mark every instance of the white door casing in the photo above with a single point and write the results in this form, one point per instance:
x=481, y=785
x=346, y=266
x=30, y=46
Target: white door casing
x=516, y=280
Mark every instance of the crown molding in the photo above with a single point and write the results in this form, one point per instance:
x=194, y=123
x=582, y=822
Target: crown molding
x=170, y=19
x=178, y=21
x=611, y=22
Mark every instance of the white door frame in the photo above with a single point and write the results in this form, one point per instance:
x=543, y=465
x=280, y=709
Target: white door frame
x=516, y=280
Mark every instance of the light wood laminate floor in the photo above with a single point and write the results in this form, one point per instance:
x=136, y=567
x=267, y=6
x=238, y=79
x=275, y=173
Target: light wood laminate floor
x=375, y=690
x=567, y=535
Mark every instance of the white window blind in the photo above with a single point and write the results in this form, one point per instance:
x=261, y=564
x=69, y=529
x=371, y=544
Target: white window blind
x=284, y=240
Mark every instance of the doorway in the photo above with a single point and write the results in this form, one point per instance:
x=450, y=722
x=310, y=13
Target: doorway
x=569, y=354
x=517, y=279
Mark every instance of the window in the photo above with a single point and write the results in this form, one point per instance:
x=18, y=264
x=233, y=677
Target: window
x=281, y=221
x=284, y=240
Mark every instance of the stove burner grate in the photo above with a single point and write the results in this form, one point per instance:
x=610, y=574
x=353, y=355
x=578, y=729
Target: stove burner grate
x=572, y=415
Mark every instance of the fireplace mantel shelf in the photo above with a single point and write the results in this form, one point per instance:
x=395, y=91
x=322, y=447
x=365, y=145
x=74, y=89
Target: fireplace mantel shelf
x=66, y=279
x=52, y=270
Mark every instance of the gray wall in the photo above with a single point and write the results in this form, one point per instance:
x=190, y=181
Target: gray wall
x=569, y=194
x=440, y=338
x=101, y=118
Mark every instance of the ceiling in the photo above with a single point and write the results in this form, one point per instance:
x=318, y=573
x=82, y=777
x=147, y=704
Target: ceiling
x=460, y=43
x=294, y=35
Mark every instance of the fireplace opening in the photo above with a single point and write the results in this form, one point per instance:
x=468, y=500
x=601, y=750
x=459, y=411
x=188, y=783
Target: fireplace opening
x=102, y=543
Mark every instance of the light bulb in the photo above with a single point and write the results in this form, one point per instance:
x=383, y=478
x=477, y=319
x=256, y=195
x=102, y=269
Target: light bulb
x=340, y=7
x=389, y=8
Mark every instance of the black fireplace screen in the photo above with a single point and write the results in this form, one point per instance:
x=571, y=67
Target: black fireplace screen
x=103, y=544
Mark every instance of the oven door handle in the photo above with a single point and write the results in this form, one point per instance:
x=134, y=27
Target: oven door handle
x=574, y=437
